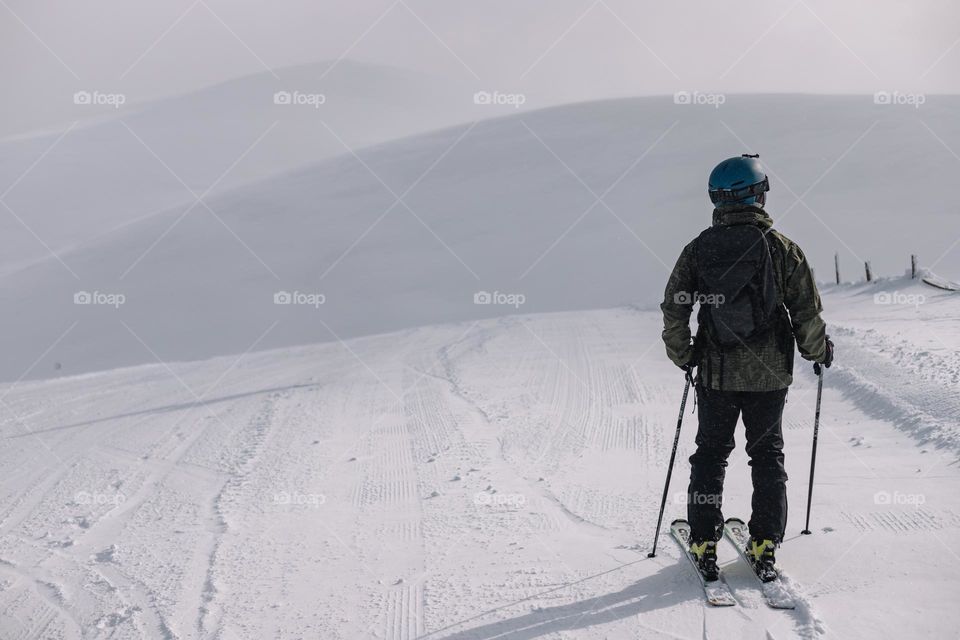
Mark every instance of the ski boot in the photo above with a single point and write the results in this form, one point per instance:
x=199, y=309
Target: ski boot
x=705, y=553
x=761, y=554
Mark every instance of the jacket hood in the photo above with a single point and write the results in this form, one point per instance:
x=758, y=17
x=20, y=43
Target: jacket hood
x=742, y=214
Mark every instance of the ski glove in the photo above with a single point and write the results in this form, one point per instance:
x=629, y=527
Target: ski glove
x=827, y=357
x=691, y=364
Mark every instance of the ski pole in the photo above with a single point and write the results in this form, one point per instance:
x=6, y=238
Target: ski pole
x=673, y=456
x=813, y=455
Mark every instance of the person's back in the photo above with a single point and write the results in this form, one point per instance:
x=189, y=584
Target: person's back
x=757, y=299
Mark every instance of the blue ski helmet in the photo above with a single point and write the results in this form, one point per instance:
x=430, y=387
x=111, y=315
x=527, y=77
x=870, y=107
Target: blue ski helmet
x=738, y=181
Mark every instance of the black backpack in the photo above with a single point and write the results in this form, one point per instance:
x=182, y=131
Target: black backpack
x=738, y=291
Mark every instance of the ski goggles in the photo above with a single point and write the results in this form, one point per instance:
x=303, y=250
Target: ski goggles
x=718, y=196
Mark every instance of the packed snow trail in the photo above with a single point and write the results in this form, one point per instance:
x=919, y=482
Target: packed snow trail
x=491, y=480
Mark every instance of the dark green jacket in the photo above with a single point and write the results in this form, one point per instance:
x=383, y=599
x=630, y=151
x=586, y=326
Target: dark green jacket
x=766, y=363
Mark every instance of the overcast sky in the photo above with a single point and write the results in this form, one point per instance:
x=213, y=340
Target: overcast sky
x=558, y=50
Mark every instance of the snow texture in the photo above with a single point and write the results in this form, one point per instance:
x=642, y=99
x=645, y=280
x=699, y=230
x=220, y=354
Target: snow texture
x=498, y=478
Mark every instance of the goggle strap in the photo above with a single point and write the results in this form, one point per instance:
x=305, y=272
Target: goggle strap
x=733, y=195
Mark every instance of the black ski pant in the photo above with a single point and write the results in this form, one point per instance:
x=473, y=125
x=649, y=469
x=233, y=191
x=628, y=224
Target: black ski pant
x=718, y=413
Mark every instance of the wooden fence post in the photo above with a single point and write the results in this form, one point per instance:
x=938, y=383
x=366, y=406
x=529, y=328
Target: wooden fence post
x=913, y=266
x=836, y=265
x=866, y=268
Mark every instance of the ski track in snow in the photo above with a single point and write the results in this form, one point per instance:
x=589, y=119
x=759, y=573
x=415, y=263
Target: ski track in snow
x=888, y=379
x=467, y=482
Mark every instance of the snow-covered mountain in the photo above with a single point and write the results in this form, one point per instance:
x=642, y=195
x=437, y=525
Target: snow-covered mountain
x=491, y=479
x=574, y=207
x=80, y=182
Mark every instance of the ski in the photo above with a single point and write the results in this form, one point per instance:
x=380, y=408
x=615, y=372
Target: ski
x=717, y=592
x=774, y=592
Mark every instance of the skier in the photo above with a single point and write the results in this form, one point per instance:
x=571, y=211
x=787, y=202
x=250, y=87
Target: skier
x=757, y=298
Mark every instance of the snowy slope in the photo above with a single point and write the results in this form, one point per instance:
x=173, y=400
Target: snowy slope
x=484, y=479
x=904, y=340
x=510, y=205
x=81, y=182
